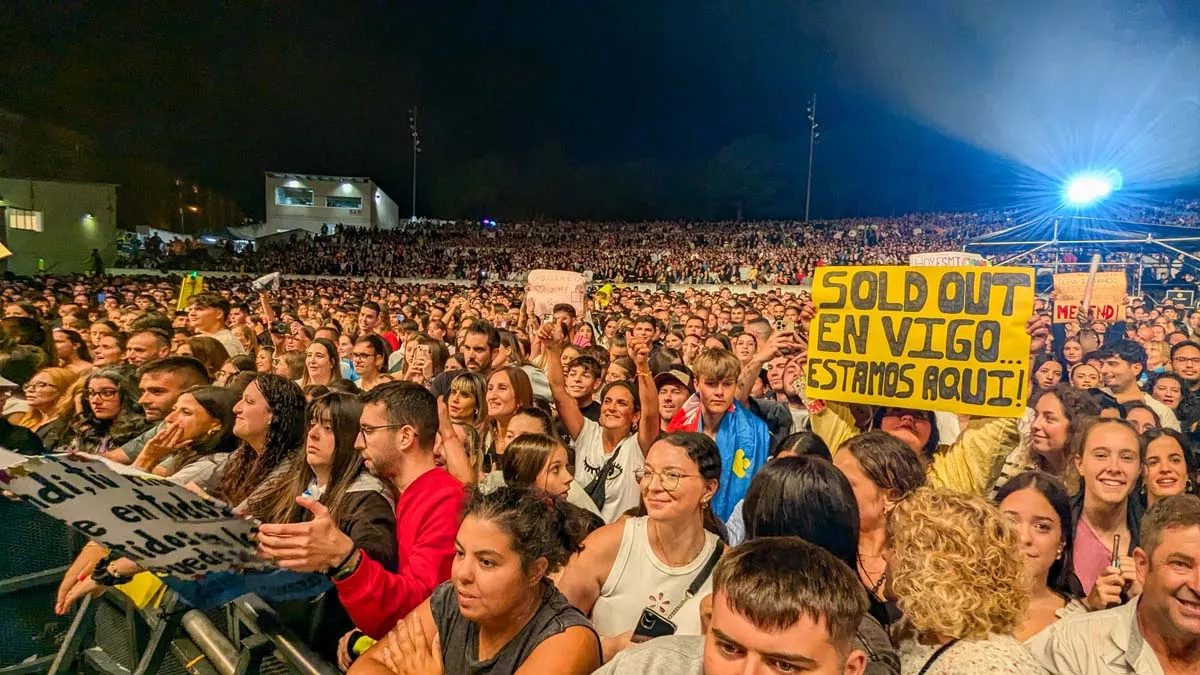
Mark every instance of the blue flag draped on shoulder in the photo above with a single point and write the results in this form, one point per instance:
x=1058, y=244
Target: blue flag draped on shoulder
x=745, y=445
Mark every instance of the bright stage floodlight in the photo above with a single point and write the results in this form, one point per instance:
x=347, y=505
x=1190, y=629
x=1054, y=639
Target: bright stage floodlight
x=1089, y=188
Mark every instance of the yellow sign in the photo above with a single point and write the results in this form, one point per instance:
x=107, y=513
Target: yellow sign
x=930, y=338
x=193, y=284
x=1108, y=296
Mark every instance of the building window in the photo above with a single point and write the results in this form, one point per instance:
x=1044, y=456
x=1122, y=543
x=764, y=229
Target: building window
x=343, y=202
x=20, y=219
x=293, y=196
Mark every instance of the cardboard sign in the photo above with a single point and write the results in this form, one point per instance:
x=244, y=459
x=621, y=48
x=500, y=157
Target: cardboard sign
x=1108, y=296
x=930, y=338
x=164, y=527
x=192, y=284
x=947, y=259
x=547, y=288
x=1181, y=297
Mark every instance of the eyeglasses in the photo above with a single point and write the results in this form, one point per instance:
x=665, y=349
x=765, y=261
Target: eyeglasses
x=1187, y=360
x=102, y=394
x=366, y=430
x=360, y=355
x=668, y=478
x=38, y=386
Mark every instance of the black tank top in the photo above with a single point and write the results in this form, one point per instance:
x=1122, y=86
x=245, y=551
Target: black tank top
x=460, y=636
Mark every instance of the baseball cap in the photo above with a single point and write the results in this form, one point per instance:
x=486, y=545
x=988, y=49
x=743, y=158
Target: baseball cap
x=677, y=374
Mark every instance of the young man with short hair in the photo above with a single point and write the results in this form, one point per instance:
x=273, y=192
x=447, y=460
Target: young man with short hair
x=743, y=438
x=780, y=604
x=161, y=382
x=1121, y=365
x=478, y=349
x=582, y=382
x=1157, y=632
x=207, y=314
x=398, y=430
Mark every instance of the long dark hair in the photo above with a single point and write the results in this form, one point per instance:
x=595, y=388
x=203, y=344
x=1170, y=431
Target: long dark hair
x=247, y=470
x=1189, y=458
x=804, y=497
x=81, y=348
x=1050, y=487
x=341, y=412
x=218, y=402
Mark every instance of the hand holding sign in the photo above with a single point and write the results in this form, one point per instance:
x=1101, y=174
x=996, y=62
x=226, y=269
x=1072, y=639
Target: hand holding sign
x=315, y=546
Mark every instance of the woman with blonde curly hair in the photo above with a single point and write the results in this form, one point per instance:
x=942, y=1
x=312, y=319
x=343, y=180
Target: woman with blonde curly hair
x=958, y=577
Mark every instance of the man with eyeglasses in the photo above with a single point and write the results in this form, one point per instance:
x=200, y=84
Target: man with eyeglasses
x=1185, y=362
x=397, y=431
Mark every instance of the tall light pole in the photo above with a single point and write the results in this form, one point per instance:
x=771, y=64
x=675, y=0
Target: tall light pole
x=416, y=141
x=812, y=141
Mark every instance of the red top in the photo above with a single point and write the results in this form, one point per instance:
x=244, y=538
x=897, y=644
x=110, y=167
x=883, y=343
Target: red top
x=426, y=523
x=391, y=338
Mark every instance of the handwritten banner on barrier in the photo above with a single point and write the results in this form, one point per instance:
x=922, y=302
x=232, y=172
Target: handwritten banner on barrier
x=931, y=338
x=1108, y=296
x=547, y=288
x=165, y=527
x=947, y=259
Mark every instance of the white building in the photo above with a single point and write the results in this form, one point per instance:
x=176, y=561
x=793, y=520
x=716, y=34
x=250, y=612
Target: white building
x=308, y=202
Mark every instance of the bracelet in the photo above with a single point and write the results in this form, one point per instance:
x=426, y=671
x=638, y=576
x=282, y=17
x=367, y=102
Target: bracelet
x=343, y=570
x=640, y=373
x=104, y=576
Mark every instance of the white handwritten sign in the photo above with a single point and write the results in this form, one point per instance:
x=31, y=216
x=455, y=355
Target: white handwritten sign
x=946, y=259
x=164, y=527
x=547, y=288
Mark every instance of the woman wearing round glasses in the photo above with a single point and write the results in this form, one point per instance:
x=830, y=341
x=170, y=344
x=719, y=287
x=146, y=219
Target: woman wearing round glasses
x=644, y=576
x=109, y=416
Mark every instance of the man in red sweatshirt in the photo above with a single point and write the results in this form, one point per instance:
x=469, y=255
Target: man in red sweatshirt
x=396, y=437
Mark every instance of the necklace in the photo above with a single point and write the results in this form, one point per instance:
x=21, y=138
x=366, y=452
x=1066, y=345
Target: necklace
x=658, y=540
x=876, y=584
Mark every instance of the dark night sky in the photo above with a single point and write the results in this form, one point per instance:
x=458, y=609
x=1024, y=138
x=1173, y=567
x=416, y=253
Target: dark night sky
x=223, y=91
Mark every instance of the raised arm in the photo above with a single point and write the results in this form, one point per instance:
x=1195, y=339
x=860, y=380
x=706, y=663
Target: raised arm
x=648, y=427
x=458, y=463
x=551, y=336
x=767, y=351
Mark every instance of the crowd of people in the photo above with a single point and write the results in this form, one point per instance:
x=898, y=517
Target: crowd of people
x=767, y=252
x=640, y=484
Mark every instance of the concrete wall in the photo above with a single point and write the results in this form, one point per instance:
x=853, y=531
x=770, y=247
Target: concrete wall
x=387, y=212
x=68, y=233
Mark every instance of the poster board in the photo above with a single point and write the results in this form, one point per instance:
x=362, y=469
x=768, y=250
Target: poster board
x=547, y=288
x=1177, y=296
x=949, y=339
x=1108, y=296
x=164, y=527
x=192, y=284
x=947, y=259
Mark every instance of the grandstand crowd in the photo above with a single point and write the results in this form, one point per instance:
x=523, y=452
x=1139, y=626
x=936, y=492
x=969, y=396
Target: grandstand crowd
x=640, y=484
x=767, y=252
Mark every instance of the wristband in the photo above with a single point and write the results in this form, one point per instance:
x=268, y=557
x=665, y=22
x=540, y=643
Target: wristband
x=344, y=569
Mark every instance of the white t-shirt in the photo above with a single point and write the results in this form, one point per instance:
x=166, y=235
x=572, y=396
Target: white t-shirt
x=226, y=338
x=622, y=491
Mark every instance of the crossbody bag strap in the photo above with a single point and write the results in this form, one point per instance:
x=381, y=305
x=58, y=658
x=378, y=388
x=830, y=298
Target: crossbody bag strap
x=596, y=489
x=705, y=572
x=934, y=657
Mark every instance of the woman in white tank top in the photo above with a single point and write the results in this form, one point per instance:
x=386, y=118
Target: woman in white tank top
x=649, y=562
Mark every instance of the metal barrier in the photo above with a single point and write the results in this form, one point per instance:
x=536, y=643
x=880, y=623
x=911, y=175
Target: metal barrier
x=109, y=634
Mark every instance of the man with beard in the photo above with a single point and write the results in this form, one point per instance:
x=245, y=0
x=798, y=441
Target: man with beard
x=478, y=350
x=1185, y=362
x=398, y=429
x=1157, y=632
